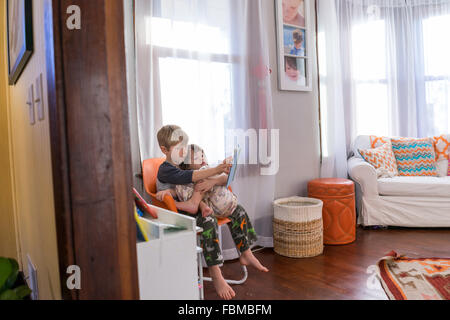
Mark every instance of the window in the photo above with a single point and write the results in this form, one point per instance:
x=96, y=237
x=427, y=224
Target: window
x=437, y=72
x=370, y=78
x=193, y=68
x=378, y=101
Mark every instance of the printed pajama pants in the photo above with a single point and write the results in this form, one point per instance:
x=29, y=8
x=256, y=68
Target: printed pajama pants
x=241, y=229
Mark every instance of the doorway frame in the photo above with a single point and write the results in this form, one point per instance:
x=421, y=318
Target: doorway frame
x=90, y=144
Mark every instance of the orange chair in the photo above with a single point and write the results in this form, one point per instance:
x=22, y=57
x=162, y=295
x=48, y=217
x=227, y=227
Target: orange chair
x=150, y=169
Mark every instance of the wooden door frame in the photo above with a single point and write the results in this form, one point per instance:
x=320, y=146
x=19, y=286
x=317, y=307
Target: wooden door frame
x=90, y=143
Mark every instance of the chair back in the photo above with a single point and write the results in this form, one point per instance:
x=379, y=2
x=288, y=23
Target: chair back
x=150, y=169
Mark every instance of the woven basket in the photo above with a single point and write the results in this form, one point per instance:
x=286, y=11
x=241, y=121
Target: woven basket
x=298, y=227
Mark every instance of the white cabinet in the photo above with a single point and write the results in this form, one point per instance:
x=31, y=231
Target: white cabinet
x=167, y=263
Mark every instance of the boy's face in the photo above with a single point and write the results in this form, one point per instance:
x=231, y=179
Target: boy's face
x=290, y=9
x=176, y=153
x=291, y=72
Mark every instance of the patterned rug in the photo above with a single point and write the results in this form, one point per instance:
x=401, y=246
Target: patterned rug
x=415, y=279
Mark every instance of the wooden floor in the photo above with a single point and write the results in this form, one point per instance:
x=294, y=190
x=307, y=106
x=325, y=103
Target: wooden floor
x=338, y=274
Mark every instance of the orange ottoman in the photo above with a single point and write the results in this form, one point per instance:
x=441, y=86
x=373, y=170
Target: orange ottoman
x=339, y=214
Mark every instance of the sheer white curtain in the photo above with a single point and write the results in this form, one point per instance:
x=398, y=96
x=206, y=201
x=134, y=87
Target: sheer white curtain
x=391, y=57
x=203, y=65
x=333, y=130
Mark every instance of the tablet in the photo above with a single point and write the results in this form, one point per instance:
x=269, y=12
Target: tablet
x=232, y=174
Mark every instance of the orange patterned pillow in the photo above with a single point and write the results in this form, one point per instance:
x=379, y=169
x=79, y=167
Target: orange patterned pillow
x=382, y=158
x=441, y=146
x=376, y=141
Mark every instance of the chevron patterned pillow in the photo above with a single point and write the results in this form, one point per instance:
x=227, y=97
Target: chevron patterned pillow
x=382, y=158
x=415, y=157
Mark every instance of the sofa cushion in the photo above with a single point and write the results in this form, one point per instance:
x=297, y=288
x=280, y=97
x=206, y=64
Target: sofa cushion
x=415, y=157
x=441, y=144
x=414, y=186
x=382, y=158
x=442, y=168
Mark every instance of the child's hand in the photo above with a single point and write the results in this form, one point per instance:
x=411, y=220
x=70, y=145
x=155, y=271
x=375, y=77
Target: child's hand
x=205, y=185
x=206, y=211
x=198, y=186
x=160, y=195
x=224, y=167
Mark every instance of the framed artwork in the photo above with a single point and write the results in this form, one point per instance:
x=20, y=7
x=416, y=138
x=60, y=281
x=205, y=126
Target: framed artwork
x=294, y=34
x=20, y=36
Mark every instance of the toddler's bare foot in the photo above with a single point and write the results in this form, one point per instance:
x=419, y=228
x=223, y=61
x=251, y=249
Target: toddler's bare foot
x=223, y=289
x=248, y=259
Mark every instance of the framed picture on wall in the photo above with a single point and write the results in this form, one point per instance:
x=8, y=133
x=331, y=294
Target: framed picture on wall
x=20, y=36
x=294, y=34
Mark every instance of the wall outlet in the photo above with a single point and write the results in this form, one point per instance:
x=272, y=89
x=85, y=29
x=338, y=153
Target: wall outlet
x=32, y=279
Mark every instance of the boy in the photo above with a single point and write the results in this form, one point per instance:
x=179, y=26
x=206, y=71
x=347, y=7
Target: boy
x=173, y=142
x=298, y=50
x=292, y=72
x=291, y=68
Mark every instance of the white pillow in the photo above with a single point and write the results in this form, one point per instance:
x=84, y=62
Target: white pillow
x=442, y=168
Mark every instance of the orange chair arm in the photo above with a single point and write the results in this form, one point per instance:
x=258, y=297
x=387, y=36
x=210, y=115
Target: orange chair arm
x=168, y=202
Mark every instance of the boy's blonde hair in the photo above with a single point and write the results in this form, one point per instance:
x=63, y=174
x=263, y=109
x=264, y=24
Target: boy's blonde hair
x=298, y=36
x=171, y=135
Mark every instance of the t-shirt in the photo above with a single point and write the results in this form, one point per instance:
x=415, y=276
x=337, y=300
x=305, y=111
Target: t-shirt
x=298, y=52
x=170, y=175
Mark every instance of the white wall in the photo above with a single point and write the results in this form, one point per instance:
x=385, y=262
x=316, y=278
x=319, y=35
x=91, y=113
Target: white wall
x=297, y=116
x=8, y=242
x=32, y=182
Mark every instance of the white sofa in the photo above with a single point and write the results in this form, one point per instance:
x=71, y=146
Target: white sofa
x=399, y=201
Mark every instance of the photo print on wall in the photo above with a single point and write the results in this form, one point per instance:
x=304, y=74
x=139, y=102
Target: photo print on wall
x=294, y=38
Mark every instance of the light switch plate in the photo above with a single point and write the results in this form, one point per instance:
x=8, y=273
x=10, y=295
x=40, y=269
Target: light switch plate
x=30, y=103
x=32, y=279
x=39, y=98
